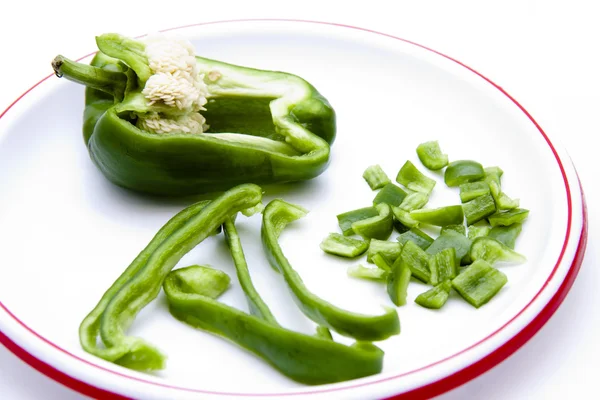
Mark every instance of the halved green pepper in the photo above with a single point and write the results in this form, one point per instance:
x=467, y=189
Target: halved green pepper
x=264, y=126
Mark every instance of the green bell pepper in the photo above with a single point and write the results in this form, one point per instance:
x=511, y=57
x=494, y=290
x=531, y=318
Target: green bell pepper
x=276, y=216
x=361, y=272
x=140, y=283
x=340, y=245
x=390, y=250
x=391, y=195
x=376, y=177
x=417, y=236
x=463, y=171
x=491, y=250
x=379, y=227
x=479, y=283
x=255, y=303
x=306, y=359
x=436, y=297
x=263, y=126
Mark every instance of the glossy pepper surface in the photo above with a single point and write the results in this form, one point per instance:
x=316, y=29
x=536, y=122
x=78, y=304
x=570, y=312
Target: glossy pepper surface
x=307, y=359
x=276, y=216
x=260, y=126
x=142, y=280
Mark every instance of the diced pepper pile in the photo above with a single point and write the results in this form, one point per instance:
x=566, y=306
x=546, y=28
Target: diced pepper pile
x=474, y=237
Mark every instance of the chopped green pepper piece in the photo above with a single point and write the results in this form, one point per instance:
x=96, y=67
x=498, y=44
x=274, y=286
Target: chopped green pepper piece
x=503, y=202
x=399, y=226
x=414, y=179
x=493, y=171
x=390, y=250
x=471, y=190
x=404, y=218
x=375, y=177
x=436, y=297
x=390, y=194
x=310, y=359
x=381, y=262
x=492, y=178
x=345, y=220
x=449, y=215
x=417, y=260
x=276, y=216
x=476, y=231
x=343, y=246
x=460, y=243
x=397, y=283
x=379, y=227
x=479, y=283
x=506, y=218
x=417, y=236
x=506, y=234
x=362, y=272
x=140, y=283
x=463, y=171
x=491, y=250
x=414, y=201
x=456, y=228
x=255, y=303
x=442, y=266
x=479, y=208
x=431, y=155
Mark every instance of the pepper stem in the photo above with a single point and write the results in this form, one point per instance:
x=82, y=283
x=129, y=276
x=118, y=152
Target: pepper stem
x=112, y=82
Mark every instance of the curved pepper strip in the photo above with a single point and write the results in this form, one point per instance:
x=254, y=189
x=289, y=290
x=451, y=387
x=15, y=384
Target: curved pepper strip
x=265, y=126
x=256, y=304
x=304, y=358
x=142, y=280
x=276, y=216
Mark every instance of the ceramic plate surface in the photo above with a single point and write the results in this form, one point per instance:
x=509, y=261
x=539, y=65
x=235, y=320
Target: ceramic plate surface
x=67, y=233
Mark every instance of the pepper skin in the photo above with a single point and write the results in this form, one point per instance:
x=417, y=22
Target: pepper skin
x=265, y=127
x=142, y=280
x=276, y=216
x=307, y=359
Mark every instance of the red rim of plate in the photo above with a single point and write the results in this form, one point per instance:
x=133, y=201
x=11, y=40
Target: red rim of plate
x=426, y=391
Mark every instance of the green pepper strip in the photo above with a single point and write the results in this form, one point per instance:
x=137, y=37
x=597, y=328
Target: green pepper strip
x=256, y=304
x=90, y=327
x=304, y=358
x=276, y=216
x=141, y=282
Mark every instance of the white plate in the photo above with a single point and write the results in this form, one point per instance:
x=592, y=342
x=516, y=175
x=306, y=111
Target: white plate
x=67, y=233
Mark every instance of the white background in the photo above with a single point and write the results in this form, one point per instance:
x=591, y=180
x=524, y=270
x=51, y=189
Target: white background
x=544, y=53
